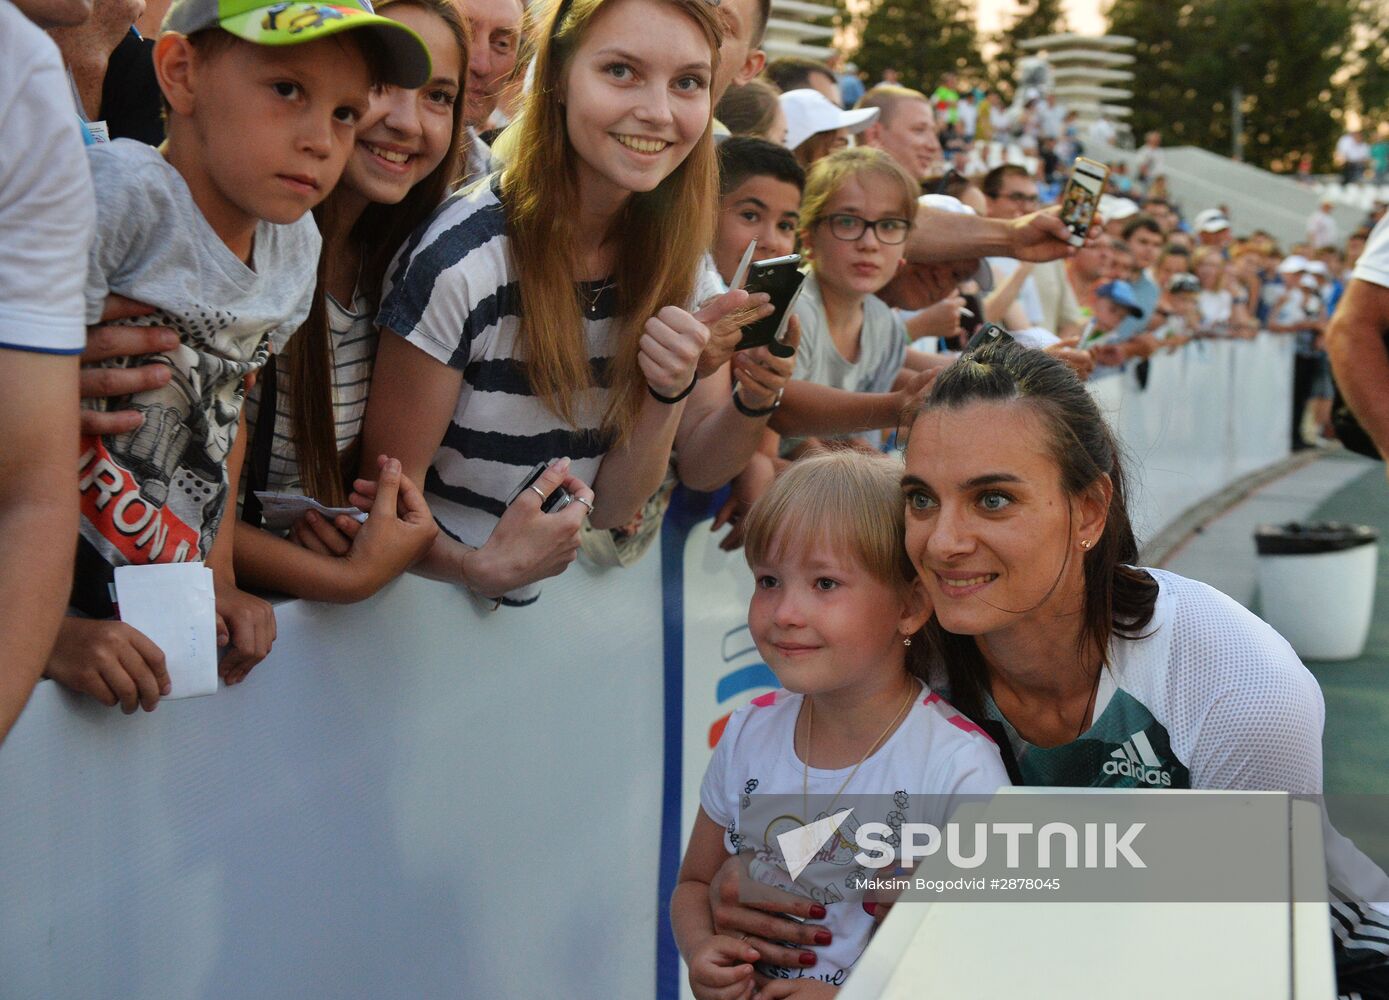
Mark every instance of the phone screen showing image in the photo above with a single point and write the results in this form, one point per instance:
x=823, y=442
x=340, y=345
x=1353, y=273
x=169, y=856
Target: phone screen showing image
x=781, y=279
x=1082, y=197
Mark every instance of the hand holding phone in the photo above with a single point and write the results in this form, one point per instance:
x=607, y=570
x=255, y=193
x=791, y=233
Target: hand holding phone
x=1081, y=198
x=781, y=279
x=557, y=500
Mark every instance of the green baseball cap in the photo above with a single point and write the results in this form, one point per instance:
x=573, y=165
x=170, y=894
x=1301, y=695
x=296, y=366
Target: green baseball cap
x=295, y=23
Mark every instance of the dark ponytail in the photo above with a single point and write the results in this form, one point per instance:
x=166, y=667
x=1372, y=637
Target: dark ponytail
x=1119, y=599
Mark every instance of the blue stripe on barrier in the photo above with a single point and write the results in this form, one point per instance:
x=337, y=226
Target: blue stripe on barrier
x=686, y=510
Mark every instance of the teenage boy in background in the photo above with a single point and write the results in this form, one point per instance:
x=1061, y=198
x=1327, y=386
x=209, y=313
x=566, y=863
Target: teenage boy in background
x=213, y=231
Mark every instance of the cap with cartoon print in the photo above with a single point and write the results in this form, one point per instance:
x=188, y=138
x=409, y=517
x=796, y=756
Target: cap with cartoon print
x=296, y=23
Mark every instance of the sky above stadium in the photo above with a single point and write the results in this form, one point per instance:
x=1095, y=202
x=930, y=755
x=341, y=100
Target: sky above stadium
x=1084, y=15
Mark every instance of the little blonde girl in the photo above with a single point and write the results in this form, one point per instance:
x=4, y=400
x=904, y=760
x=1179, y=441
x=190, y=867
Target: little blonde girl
x=834, y=613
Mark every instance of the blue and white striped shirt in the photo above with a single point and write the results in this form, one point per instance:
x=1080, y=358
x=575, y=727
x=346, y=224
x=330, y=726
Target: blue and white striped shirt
x=453, y=293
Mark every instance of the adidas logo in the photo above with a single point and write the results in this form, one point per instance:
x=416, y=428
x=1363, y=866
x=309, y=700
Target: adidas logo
x=1136, y=759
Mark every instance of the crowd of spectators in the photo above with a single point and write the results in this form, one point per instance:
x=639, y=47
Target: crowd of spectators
x=375, y=259
x=325, y=351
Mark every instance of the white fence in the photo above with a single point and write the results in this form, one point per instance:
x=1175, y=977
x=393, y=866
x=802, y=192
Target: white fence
x=412, y=798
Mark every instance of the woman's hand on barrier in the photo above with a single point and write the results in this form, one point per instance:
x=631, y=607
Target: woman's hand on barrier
x=529, y=545
x=245, y=626
x=727, y=330
x=398, y=531
x=112, y=662
x=105, y=342
x=674, y=340
x=721, y=969
x=760, y=923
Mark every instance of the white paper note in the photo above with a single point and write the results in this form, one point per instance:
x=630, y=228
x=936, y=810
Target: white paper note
x=173, y=604
x=280, y=510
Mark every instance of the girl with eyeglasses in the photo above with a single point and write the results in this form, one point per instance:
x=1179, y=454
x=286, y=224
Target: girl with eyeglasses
x=854, y=373
x=543, y=316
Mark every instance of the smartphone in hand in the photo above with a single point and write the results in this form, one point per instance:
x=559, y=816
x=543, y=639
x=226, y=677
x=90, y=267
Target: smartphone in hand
x=1081, y=197
x=781, y=279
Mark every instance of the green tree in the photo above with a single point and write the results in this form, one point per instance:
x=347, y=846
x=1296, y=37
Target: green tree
x=1035, y=19
x=1282, y=54
x=921, y=39
x=1367, y=70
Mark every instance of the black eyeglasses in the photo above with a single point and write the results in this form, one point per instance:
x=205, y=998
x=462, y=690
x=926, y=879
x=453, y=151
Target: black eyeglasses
x=852, y=227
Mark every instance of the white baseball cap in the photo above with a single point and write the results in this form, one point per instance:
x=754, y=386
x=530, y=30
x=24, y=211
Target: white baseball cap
x=1293, y=264
x=809, y=112
x=1114, y=209
x=1212, y=220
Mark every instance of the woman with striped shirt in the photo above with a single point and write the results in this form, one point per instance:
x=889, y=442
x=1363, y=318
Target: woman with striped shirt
x=539, y=318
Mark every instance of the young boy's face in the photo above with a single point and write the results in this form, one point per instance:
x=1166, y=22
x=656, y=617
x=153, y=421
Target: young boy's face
x=864, y=265
x=276, y=124
x=1108, y=314
x=764, y=208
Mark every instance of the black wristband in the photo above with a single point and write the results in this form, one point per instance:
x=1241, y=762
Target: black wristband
x=671, y=400
x=748, y=411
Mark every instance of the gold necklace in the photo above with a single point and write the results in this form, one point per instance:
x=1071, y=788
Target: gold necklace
x=590, y=299
x=913, y=691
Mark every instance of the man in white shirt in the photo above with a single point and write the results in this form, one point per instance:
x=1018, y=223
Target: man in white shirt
x=1151, y=162
x=1352, y=153
x=47, y=217
x=1321, y=227
x=1356, y=339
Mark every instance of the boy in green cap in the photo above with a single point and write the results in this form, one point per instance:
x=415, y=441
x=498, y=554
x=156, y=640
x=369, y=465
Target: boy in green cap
x=213, y=230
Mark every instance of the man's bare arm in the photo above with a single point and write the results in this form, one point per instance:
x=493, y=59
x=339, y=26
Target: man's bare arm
x=38, y=514
x=940, y=237
x=1359, y=358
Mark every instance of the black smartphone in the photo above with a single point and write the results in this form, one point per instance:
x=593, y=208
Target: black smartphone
x=557, y=500
x=781, y=278
x=989, y=333
x=1081, y=198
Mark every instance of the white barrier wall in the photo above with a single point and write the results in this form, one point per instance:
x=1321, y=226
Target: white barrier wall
x=414, y=798
x=1210, y=414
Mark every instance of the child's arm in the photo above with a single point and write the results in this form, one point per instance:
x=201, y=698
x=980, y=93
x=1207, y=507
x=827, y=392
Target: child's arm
x=245, y=624
x=110, y=661
x=720, y=966
x=716, y=440
x=920, y=361
x=809, y=410
x=356, y=561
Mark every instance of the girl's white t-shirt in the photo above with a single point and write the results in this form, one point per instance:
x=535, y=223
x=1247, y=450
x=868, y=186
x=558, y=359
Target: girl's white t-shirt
x=935, y=757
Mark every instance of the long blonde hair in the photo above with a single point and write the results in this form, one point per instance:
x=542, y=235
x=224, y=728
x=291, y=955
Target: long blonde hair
x=665, y=232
